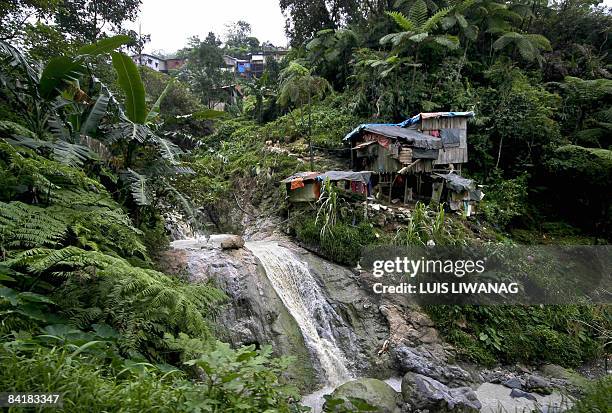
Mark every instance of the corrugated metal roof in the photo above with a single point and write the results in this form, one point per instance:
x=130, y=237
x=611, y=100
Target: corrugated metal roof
x=457, y=182
x=301, y=175
x=364, y=144
x=418, y=139
x=361, y=176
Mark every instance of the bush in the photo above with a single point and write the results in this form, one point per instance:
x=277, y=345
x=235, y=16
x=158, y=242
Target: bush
x=342, y=243
x=597, y=399
x=429, y=224
x=562, y=335
x=243, y=380
x=587, y=201
x=505, y=199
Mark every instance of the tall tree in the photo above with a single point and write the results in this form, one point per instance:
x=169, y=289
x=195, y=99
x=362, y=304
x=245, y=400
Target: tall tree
x=299, y=87
x=14, y=15
x=203, y=70
x=239, y=35
x=88, y=20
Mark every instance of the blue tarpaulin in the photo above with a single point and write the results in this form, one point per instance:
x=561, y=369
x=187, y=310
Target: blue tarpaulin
x=416, y=119
x=407, y=123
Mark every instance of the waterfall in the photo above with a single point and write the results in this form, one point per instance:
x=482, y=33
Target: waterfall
x=307, y=304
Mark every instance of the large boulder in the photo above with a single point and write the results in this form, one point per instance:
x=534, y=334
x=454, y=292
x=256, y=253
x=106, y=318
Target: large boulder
x=419, y=361
x=409, y=327
x=538, y=384
x=424, y=393
x=232, y=242
x=375, y=392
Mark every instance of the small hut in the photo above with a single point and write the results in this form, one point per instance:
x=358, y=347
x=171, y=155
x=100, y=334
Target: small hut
x=306, y=186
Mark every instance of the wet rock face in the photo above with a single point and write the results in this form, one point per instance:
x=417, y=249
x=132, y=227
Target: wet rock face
x=375, y=392
x=533, y=382
x=520, y=393
x=359, y=310
x=253, y=314
x=419, y=361
x=420, y=392
x=409, y=327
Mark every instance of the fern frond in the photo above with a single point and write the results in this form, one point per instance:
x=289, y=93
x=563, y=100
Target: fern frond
x=27, y=226
x=418, y=13
x=402, y=21
x=431, y=23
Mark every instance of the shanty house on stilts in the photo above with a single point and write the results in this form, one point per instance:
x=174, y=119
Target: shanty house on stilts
x=414, y=160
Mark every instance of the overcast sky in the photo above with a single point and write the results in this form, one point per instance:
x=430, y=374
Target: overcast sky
x=171, y=22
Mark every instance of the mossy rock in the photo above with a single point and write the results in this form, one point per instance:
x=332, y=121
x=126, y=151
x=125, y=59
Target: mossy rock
x=375, y=393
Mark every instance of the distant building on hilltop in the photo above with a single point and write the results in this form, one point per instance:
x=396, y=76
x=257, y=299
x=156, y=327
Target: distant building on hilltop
x=254, y=65
x=157, y=63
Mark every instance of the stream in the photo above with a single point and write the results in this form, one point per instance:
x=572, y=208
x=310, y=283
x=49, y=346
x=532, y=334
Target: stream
x=284, y=296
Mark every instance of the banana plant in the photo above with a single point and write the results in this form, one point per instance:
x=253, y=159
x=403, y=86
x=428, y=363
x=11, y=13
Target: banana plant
x=58, y=113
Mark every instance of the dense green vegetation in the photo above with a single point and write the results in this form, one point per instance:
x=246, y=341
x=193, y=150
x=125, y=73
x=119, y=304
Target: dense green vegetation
x=95, y=151
x=557, y=334
x=82, y=178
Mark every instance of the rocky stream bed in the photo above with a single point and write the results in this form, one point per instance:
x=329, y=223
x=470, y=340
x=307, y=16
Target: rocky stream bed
x=348, y=341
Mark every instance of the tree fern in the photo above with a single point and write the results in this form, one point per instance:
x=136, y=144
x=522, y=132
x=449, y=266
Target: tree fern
x=418, y=13
x=142, y=304
x=528, y=45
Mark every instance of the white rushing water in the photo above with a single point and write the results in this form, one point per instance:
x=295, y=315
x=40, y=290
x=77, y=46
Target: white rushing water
x=307, y=304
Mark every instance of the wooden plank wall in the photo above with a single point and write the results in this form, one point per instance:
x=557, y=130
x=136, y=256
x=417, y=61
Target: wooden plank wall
x=449, y=155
